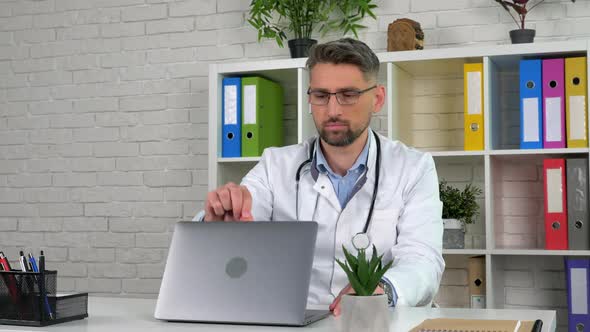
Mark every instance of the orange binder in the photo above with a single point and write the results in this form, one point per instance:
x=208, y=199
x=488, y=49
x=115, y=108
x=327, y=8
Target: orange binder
x=576, y=109
x=555, y=204
x=473, y=106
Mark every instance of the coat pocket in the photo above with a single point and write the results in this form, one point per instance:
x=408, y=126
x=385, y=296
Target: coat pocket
x=383, y=231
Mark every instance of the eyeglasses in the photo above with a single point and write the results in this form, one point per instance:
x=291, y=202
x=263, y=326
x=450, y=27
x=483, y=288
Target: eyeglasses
x=346, y=97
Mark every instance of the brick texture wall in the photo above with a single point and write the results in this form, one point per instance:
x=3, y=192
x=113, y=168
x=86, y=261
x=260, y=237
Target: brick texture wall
x=103, y=118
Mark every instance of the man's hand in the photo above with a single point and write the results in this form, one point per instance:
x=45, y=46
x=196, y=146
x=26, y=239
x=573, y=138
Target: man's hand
x=229, y=202
x=335, y=306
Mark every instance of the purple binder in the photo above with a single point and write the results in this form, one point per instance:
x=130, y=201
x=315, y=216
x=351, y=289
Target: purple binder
x=553, y=104
x=578, y=297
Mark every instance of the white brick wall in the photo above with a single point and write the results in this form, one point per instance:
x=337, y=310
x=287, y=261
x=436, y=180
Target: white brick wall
x=103, y=119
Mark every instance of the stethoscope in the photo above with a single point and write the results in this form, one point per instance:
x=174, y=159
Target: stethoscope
x=360, y=240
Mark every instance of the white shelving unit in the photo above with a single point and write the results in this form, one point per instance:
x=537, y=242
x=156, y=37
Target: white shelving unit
x=424, y=109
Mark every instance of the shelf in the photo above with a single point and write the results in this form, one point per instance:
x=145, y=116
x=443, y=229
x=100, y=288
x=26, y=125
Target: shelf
x=475, y=252
x=539, y=252
x=537, y=151
x=456, y=153
x=238, y=160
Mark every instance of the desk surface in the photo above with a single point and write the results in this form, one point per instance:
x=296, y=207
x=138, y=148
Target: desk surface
x=127, y=314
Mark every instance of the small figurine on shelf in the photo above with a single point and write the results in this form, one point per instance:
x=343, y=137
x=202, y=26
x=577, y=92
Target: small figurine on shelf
x=404, y=34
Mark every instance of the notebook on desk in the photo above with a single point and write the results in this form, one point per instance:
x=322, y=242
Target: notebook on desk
x=239, y=273
x=473, y=325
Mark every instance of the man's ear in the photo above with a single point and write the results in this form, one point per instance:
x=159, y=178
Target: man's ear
x=379, y=98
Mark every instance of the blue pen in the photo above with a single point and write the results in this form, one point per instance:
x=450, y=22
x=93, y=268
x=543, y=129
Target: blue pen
x=36, y=269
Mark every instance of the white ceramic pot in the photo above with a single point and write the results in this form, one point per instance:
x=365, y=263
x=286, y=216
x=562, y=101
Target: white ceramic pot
x=365, y=313
x=454, y=234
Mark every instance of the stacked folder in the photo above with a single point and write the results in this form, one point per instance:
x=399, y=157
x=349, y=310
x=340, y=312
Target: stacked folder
x=553, y=110
x=577, y=272
x=473, y=106
x=252, y=116
x=566, y=204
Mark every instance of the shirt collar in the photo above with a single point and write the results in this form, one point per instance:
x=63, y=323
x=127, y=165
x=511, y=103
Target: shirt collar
x=360, y=163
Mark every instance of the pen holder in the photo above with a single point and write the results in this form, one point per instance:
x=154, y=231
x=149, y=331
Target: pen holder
x=29, y=298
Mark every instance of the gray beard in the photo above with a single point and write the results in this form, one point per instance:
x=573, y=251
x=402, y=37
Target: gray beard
x=349, y=137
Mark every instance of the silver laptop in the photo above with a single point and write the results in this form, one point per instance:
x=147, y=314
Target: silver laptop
x=242, y=273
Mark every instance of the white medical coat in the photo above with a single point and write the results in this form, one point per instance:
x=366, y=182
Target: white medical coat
x=406, y=225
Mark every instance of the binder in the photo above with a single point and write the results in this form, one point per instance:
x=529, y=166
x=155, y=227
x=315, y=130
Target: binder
x=577, y=204
x=578, y=299
x=473, y=106
x=531, y=107
x=476, y=269
x=576, y=109
x=262, y=116
x=555, y=204
x=553, y=104
x=231, y=104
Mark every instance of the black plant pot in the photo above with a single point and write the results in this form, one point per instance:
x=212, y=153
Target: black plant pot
x=521, y=36
x=300, y=47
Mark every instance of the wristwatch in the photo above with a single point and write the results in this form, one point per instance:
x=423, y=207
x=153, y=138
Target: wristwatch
x=388, y=291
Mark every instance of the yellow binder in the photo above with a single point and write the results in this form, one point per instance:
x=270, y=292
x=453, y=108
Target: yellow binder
x=576, y=110
x=473, y=105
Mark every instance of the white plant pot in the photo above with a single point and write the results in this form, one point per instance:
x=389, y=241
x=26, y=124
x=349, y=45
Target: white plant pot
x=365, y=313
x=453, y=234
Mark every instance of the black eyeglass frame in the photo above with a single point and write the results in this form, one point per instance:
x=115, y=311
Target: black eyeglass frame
x=339, y=93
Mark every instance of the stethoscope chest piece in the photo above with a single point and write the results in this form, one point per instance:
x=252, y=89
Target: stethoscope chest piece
x=360, y=241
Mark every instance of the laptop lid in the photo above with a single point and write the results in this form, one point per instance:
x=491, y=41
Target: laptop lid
x=253, y=273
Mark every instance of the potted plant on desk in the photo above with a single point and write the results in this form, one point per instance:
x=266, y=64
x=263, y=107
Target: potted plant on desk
x=520, y=35
x=459, y=208
x=275, y=18
x=364, y=311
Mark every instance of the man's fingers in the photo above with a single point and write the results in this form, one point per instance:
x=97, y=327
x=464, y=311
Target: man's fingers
x=236, y=200
x=335, y=306
x=246, y=205
x=225, y=197
x=337, y=310
x=213, y=209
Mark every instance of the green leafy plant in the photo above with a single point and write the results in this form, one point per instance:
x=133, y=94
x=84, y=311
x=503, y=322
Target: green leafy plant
x=457, y=204
x=275, y=18
x=363, y=275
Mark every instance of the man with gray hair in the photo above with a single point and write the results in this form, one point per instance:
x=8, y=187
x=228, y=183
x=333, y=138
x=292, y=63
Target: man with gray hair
x=352, y=181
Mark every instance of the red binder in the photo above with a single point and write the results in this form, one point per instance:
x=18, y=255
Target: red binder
x=555, y=204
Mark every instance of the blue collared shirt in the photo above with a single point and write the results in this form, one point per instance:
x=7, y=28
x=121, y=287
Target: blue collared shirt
x=343, y=185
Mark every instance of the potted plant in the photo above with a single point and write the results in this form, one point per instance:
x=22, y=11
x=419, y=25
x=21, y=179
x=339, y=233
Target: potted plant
x=275, y=18
x=459, y=208
x=520, y=35
x=364, y=311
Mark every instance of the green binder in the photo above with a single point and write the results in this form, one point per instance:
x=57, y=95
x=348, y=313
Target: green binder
x=262, y=115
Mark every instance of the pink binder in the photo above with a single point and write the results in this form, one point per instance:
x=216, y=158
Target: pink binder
x=553, y=104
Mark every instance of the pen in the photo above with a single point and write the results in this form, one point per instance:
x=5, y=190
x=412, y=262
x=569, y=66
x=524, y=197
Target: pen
x=9, y=279
x=23, y=262
x=36, y=269
x=537, y=326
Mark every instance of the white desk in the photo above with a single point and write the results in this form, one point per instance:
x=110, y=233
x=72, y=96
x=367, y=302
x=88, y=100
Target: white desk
x=126, y=314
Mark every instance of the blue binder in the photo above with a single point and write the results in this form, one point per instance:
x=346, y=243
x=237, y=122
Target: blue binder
x=578, y=297
x=231, y=105
x=531, y=105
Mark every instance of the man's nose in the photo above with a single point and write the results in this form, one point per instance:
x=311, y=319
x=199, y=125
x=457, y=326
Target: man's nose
x=333, y=107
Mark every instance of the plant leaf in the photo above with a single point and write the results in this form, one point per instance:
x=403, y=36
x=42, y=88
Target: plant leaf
x=372, y=285
x=374, y=261
x=352, y=261
x=363, y=269
x=354, y=282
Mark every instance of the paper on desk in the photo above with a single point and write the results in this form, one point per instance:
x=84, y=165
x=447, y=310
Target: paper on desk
x=473, y=325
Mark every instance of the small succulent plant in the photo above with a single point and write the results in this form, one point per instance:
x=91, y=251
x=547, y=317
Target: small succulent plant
x=364, y=275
